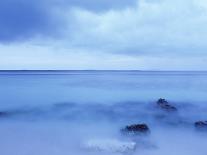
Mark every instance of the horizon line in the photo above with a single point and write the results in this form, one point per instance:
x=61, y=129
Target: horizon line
x=39, y=70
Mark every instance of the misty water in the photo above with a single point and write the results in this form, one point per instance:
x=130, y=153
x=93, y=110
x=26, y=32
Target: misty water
x=59, y=112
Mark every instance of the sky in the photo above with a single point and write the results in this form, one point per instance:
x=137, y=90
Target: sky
x=103, y=34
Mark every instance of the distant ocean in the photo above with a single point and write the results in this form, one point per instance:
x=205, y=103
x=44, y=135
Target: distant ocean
x=56, y=112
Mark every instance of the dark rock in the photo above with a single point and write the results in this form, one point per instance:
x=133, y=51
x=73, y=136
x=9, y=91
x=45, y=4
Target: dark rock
x=3, y=114
x=201, y=125
x=163, y=104
x=136, y=129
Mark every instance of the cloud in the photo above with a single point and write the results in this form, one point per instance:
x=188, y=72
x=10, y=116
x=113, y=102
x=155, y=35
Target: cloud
x=100, y=5
x=24, y=56
x=33, y=56
x=23, y=19
x=160, y=27
x=148, y=34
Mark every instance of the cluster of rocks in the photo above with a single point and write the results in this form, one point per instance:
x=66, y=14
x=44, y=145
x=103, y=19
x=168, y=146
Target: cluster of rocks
x=165, y=106
x=134, y=130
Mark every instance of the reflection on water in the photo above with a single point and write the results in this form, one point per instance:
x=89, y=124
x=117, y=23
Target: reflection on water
x=62, y=112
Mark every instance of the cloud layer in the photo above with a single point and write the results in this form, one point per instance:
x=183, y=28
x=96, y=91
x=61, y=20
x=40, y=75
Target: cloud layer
x=144, y=34
x=159, y=27
x=23, y=19
x=20, y=19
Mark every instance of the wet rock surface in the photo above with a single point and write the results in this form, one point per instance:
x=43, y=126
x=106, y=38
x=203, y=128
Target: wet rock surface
x=201, y=125
x=136, y=129
x=165, y=105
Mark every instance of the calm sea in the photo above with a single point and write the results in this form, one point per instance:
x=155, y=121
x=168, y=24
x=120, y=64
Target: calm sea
x=56, y=112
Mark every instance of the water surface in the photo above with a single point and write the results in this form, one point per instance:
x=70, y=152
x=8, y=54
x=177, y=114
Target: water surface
x=55, y=112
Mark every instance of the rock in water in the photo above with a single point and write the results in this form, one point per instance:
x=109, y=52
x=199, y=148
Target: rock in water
x=163, y=104
x=4, y=114
x=201, y=125
x=110, y=146
x=136, y=129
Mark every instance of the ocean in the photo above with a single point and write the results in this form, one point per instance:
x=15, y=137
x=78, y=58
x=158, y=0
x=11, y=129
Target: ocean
x=83, y=112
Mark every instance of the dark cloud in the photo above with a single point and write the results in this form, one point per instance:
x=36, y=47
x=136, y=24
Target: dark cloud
x=22, y=19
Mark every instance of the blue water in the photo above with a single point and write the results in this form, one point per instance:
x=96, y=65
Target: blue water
x=53, y=112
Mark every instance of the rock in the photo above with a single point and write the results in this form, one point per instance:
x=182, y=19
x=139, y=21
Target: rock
x=3, y=114
x=163, y=104
x=136, y=129
x=201, y=125
x=110, y=146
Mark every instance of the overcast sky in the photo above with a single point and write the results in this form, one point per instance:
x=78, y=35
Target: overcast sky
x=103, y=34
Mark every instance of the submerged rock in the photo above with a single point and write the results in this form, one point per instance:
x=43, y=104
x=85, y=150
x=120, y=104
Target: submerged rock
x=163, y=104
x=3, y=114
x=136, y=129
x=201, y=125
x=110, y=146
